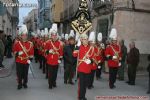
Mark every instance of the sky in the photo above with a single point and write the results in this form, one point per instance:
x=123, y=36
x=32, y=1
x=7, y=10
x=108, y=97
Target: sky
x=23, y=11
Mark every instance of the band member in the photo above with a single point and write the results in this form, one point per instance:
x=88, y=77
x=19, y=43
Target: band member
x=46, y=40
x=84, y=55
x=23, y=50
x=94, y=64
x=69, y=60
x=40, y=50
x=113, y=54
x=99, y=55
x=54, y=52
x=34, y=41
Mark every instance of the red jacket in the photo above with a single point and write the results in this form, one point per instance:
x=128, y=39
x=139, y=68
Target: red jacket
x=110, y=51
x=82, y=66
x=57, y=47
x=29, y=49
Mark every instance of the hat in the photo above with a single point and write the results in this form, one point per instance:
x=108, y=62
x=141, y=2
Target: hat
x=62, y=35
x=46, y=31
x=42, y=33
x=66, y=36
x=78, y=43
x=23, y=30
x=54, y=29
x=71, y=33
x=84, y=36
x=92, y=37
x=99, y=37
x=113, y=34
x=77, y=37
x=32, y=33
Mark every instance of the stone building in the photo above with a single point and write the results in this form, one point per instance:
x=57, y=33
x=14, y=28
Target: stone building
x=44, y=14
x=10, y=19
x=31, y=20
x=130, y=17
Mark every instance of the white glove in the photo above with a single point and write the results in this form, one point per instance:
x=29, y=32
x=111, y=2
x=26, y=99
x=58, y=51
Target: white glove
x=51, y=51
x=119, y=63
x=114, y=57
x=59, y=61
x=28, y=61
x=99, y=67
x=87, y=61
x=20, y=53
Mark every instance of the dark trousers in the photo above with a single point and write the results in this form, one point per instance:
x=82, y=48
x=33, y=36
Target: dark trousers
x=46, y=70
x=22, y=73
x=43, y=64
x=1, y=61
x=9, y=51
x=91, y=78
x=98, y=72
x=112, y=76
x=68, y=74
x=149, y=82
x=83, y=83
x=52, y=75
x=36, y=55
x=132, y=73
x=42, y=61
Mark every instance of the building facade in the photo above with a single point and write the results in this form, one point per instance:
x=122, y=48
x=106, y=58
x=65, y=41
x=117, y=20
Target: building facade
x=44, y=14
x=131, y=18
x=31, y=20
x=9, y=21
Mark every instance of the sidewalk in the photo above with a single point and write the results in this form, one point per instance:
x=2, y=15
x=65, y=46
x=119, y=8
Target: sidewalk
x=9, y=64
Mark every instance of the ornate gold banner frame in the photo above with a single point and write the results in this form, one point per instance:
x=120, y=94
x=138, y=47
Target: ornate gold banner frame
x=82, y=23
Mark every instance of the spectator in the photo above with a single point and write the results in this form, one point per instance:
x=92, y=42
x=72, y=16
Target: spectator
x=2, y=48
x=9, y=46
x=148, y=69
x=132, y=61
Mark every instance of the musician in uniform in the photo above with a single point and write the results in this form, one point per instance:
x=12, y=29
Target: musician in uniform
x=84, y=55
x=54, y=52
x=113, y=54
x=23, y=51
x=99, y=55
x=94, y=64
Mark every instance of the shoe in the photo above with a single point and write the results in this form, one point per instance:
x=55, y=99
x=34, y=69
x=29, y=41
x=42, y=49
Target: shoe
x=83, y=99
x=19, y=87
x=148, y=92
x=112, y=87
x=50, y=87
x=54, y=85
x=131, y=83
x=127, y=82
x=25, y=86
x=65, y=82
x=89, y=87
x=71, y=83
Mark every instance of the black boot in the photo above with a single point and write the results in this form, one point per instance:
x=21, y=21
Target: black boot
x=19, y=87
x=25, y=86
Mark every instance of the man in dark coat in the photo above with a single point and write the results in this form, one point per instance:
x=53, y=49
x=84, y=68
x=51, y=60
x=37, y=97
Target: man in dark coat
x=132, y=61
x=70, y=61
x=2, y=49
x=148, y=69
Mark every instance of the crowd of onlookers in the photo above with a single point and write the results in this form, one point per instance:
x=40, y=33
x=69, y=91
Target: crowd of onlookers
x=5, y=47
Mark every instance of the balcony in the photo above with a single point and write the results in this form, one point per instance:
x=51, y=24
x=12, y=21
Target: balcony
x=99, y=4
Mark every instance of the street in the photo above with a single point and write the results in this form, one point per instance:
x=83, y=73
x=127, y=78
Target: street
x=38, y=87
